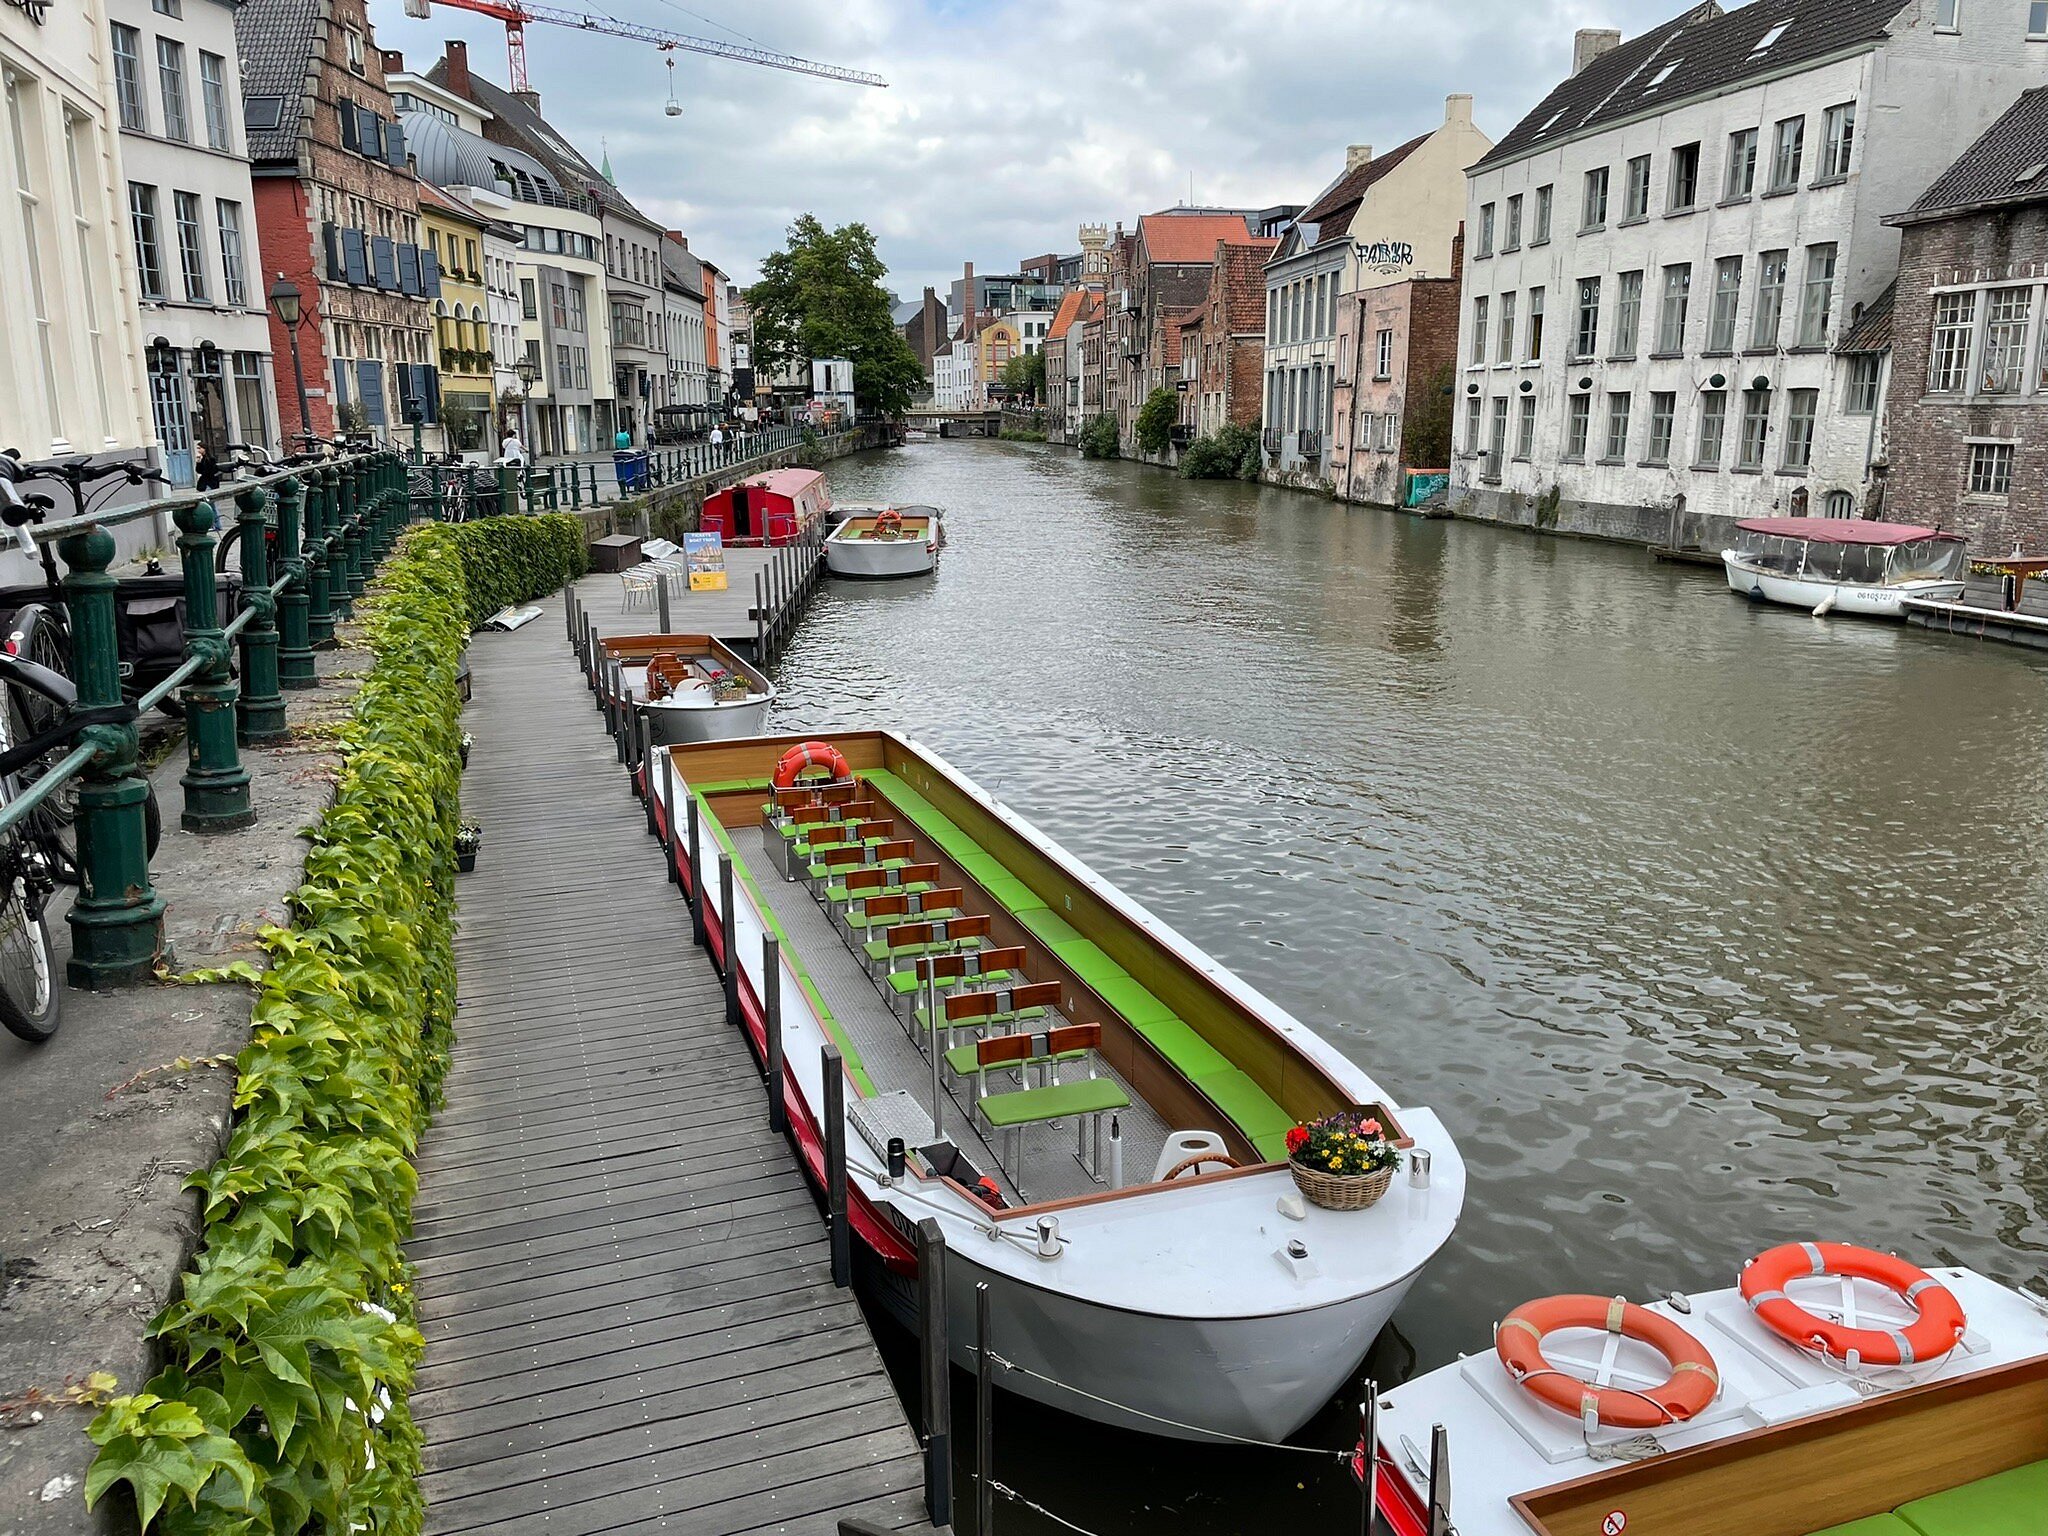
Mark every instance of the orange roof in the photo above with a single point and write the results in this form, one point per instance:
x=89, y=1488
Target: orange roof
x=1189, y=238
x=1071, y=305
x=444, y=204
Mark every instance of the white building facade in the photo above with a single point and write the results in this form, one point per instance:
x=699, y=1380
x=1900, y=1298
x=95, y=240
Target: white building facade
x=1661, y=259
x=501, y=306
x=956, y=376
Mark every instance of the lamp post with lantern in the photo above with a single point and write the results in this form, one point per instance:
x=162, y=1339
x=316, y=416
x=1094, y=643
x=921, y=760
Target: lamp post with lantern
x=287, y=303
x=529, y=374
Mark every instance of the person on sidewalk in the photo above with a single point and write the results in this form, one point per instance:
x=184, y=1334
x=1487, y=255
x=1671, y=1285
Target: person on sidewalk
x=717, y=438
x=512, y=451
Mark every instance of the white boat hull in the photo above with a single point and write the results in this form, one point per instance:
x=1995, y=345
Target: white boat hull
x=1882, y=602
x=880, y=558
x=676, y=725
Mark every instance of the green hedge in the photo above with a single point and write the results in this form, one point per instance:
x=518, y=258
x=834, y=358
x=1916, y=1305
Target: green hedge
x=290, y=1350
x=507, y=560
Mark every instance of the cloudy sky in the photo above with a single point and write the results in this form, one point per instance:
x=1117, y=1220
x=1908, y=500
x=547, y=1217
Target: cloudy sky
x=1006, y=125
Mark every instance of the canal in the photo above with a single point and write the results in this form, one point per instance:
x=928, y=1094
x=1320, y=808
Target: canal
x=1704, y=926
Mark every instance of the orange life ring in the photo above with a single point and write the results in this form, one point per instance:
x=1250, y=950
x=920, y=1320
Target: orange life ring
x=889, y=522
x=664, y=672
x=804, y=756
x=1929, y=1336
x=1685, y=1392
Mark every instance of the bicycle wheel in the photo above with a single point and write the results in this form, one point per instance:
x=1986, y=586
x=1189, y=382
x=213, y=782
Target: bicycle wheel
x=28, y=968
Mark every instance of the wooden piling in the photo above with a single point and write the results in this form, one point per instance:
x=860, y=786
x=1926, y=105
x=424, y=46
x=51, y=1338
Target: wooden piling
x=937, y=1372
x=834, y=1095
x=771, y=1011
x=726, y=929
x=984, y=1417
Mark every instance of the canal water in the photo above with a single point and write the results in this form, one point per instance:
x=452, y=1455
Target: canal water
x=1704, y=925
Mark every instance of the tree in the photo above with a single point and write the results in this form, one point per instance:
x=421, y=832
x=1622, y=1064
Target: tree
x=1098, y=438
x=1156, y=417
x=822, y=296
x=1024, y=375
x=1427, y=431
x=1231, y=453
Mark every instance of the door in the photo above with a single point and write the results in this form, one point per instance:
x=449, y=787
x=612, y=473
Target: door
x=169, y=414
x=209, y=408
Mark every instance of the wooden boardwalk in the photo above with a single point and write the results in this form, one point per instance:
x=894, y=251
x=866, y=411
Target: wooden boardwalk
x=766, y=593
x=623, y=1279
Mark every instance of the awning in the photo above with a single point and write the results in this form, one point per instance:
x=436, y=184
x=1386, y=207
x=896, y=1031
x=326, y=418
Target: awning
x=1842, y=530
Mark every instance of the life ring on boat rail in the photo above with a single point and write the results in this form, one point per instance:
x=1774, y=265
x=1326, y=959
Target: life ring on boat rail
x=1692, y=1384
x=889, y=524
x=1196, y=1161
x=1930, y=1336
x=664, y=672
x=806, y=755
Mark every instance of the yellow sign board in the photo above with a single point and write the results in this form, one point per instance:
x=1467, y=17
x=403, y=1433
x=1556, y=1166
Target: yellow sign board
x=705, y=553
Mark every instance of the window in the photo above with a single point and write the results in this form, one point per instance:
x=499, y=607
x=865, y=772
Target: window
x=79, y=138
x=1635, y=197
x=2037, y=19
x=149, y=261
x=1535, y=353
x=1713, y=427
x=1802, y=406
x=1390, y=432
x=213, y=96
x=1525, y=428
x=1663, y=407
x=1770, y=299
x=165, y=8
x=558, y=299
x=1511, y=236
x=1763, y=43
x=1791, y=143
x=1541, y=235
x=1479, y=330
x=233, y=282
x=1685, y=177
x=1756, y=425
x=251, y=416
x=1593, y=209
x=529, y=309
x=23, y=121
x=128, y=77
x=1948, y=15
x=1578, y=422
x=1818, y=296
x=1497, y=440
x=170, y=76
x=1948, y=357
x=1677, y=296
x=354, y=39
x=1383, y=355
x=1472, y=408
x=1617, y=427
x=1838, y=138
x=1628, y=313
x=1859, y=395
x=1588, y=338
x=2006, y=312
x=1506, y=328
x=1727, y=296
x=1741, y=180
x=1990, y=469
x=1486, y=230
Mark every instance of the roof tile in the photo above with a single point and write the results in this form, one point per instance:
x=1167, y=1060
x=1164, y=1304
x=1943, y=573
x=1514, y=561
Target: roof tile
x=1990, y=170
x=1188, y=239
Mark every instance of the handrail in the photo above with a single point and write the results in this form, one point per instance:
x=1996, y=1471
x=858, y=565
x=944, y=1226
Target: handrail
x=131, y=512
x=67, y=767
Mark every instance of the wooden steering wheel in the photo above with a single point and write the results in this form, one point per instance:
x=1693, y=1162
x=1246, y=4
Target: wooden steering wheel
x=1196, y=1161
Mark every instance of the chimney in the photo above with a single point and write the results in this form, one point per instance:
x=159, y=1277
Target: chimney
x=1458, y=108
x=455, y=68
x=1588, y=43
x=678, y=236
x=967, y=300
x=1357, y=155
x=394, y=61
x=531, y=100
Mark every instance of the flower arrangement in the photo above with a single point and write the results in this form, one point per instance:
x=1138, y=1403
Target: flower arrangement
x=1343, y=1161
x=727, y=685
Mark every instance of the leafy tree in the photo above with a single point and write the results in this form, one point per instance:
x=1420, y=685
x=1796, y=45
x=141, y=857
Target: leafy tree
x=1024, y=375
x=1426, y=435
x=822, y=296
x=1156, y=417
x=1098, y=439
x=1230, y=453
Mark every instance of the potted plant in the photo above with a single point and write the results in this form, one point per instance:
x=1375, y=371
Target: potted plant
x=727, y=687
x=1342, y=1162
x=468, y=741
x=469, y=837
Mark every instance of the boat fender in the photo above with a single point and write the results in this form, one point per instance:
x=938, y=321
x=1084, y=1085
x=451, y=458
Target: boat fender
x=1825, y=606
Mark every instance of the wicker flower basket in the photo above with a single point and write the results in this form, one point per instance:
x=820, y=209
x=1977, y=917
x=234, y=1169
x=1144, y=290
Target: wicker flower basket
x=1341, y=1191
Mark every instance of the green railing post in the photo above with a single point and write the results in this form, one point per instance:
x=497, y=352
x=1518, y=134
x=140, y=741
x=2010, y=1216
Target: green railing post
x=216, y=783
x=339, y=505
x=319, y=584
x=355, y=501
x=527, y=487
x=439, y=502
x=259, y=712
x=117, y=922
x=508, y=501
x=295, y=650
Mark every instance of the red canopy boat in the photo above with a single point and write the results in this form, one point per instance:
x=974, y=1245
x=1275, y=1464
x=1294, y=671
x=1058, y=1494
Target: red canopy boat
x=775, y=508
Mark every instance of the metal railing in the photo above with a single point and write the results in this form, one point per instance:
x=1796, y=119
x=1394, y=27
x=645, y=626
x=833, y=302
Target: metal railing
x=454, y=492
x=335, y=520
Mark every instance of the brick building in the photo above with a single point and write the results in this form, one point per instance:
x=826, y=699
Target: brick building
x=925, y=329
x=338, y=213
x=1394, y=344
x=1223, y=364
x=1967, y=415
x=1160, y=270
x=1063, y=365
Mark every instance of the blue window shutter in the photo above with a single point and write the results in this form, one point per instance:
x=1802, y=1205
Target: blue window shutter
x=384, y=262
x=430, y=274
x=394, y=144
x=370, y=381
x=354, y=262
x=409, y=269
x=408, y=392
x=340, y=384
x=350, y=124
x=369, y=133
x=330, y=247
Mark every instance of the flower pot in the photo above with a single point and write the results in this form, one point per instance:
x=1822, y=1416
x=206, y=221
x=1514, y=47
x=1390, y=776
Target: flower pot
x=1341, y=1191
x=465, y=862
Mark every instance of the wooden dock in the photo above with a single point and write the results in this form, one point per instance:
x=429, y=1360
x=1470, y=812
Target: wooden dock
x=624, y=1281
x=766, y=593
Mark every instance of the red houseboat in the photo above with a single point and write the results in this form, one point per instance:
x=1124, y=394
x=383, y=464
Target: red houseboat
x=775, y=508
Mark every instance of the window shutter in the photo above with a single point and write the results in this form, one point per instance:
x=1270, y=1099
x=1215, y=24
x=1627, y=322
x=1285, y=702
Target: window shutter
x=370, y=382
x=384, y=262
x=407, y=395
x=354, y=262
x=409, y=269
x=430, y=274
x=369, y=133
x=330, y=247
x=430, y=388
x=351, y=125
x=340, y=385
x=394, y=144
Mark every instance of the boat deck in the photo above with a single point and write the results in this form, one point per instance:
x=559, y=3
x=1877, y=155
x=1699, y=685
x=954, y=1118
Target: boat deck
x=1047, y=1168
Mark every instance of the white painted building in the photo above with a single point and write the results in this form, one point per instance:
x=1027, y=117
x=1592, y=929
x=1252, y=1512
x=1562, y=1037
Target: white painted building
x=73, y=383
x=1661, y=258
x=1384, y=219
x=956, y=376
x=689, y=378
x=501, y=305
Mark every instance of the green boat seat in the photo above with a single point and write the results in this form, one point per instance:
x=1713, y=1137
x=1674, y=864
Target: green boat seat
x=906, y=984
x=2012, y=1503
x=820, y=871
x=1246, y=1105
x=860, y=921
x=1048, y=927
x=1057, y=1101
x=964, y=1060
x=996, y=1007
x=1870, y=1525
x=835, y=895
x=1013, y=895
x=882, y=953
x=1187, y=1052
x=1001, y=1022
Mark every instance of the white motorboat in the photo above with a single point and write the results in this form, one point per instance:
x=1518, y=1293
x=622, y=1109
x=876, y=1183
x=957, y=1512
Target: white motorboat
x=1839, y=565
x=1127, y=1199
x=689, y=687
x=886, y=542
x=1835, y=1391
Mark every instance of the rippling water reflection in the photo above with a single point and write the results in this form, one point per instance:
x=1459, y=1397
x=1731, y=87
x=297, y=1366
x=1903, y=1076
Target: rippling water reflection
x=1704, y=926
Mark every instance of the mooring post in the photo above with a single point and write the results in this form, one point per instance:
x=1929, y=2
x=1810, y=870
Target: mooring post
x=937, y=1372
x=668, y=812
x=1369, y=1456
x=760, y=623
x=984, y=1418
x=726, y=928
x=771, y=1012
x=834, y=1095
x=661, y=597
x=695, y=889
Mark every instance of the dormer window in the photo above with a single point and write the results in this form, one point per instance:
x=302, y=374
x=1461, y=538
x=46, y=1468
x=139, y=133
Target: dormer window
x=1664, y=74
x=1763, y=43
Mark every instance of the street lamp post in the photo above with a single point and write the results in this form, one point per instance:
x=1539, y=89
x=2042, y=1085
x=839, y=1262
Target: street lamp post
x=529, y=373
x=286, y=303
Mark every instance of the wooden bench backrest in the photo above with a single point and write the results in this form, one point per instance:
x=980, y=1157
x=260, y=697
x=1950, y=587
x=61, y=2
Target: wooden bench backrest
x=1033, y=1047
x=810, y=815
x=829, y=836
x=863, y=830
x=871, y=880
x=928, y=933
x=842, y=856
x=982, y=1005
x=884, y=852
x=854, y=810
x=976, y=962
x=813, y=794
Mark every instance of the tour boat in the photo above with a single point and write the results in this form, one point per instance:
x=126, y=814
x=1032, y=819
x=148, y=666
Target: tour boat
x=778, y=507
x=689, y=687
x=894, y=541
x=1094, y=1112
x=1833, y=1391
x=1838, y=564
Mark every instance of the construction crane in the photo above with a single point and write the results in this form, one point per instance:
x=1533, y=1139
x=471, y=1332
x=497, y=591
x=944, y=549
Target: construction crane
x=517, y=16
